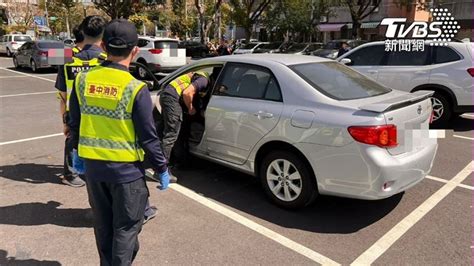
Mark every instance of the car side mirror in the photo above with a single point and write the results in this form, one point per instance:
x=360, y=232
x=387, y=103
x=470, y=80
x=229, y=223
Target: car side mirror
x=346, y=61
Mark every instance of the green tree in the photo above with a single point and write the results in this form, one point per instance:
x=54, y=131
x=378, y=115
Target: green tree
x=207, y=11
x=123, y=8
x=359, y=10
x=247, y=12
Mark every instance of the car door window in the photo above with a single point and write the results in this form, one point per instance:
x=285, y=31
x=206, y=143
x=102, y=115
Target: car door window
x=404, y=58
x=368, y=56
x=142, y=43
x=445, y=55
x=247, y=81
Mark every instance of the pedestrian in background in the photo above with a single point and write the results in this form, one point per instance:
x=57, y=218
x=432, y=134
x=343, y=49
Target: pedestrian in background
x=112, y=127
x=223, y=48
x=344, y=49
x=90, y=55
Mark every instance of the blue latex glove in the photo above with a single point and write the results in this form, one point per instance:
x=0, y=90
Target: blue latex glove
x=77, y=163
x=164, y=179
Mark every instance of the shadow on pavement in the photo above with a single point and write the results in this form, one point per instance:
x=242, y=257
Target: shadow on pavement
x=244, y=193
x=38, y=213
x=4, y=260
x=461, y=124
x=32, y=173
x=27, y=70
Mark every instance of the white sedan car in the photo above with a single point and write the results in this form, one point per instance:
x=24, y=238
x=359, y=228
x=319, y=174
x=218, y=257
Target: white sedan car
x=307, y=126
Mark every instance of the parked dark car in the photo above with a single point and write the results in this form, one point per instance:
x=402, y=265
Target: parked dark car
x=303, y=48
x=331, y=48
x=194, y=49
x=273, y=47
x=34, y=54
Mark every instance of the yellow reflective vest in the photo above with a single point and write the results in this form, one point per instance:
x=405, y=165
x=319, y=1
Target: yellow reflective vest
x=182, y=82
x=71, y=69
x=106, y=97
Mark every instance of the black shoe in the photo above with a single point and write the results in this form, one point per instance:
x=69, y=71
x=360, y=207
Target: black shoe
x=150, y=213
x=73, y=180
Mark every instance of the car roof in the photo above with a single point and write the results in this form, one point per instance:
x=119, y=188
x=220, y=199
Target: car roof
x=452, y=44
x=283, y=59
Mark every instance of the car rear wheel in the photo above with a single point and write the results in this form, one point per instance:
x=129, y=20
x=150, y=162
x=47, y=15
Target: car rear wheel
x=287, y=181
x=15, y=62
x=141, y=72
x=442, y=110
x=33, y=66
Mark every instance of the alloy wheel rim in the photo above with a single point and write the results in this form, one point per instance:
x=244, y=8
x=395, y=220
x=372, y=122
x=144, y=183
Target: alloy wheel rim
x=142, y=72
x=438, y=108
x=284, y=180
x=33, y=66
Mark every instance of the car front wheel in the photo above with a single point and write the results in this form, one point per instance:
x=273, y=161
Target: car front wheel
x=287, y=181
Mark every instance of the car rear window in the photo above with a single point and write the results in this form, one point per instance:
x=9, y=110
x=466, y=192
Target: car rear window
x=21, y=38
x=445, y=55
x=166, y=45
x=338, y=81
x=48, y=45
x=249, y=46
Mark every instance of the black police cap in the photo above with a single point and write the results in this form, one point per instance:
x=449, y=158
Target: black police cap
x=120, y=34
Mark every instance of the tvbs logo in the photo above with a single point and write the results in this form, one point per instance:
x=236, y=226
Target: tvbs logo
x=418, y=29
x=441, y=30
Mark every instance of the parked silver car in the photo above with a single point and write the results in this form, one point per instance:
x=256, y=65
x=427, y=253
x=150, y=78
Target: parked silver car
x=34, y=54
x=307, y=126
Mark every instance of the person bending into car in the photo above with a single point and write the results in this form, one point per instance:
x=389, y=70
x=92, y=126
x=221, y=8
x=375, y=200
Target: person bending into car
x=176, y=98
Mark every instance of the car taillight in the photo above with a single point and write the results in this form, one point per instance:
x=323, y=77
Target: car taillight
x=382, y=136
x=43, y=53
x=431, y=117
x=155, y=51
x=470, y=71
x=14, y=43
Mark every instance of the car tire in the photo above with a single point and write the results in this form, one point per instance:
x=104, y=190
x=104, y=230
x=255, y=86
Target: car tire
x=141, y=73
x=33, y=66
x=442, y=110
x=203, y=54
x=15, y=62
x=291, y=189
x=9, y=53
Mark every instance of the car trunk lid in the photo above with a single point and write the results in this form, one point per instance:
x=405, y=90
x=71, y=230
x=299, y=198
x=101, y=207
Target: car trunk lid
x=411, y=114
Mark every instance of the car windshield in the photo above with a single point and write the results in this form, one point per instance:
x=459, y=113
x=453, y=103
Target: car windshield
x=297, y=47
x=333, y=45
x=25, y=38
x=48, y=45
x=338, y=81
x=249, y=46
x=274, y=45
x=166, y=45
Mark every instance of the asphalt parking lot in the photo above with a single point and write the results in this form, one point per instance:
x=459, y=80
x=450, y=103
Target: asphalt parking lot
x=216, y=215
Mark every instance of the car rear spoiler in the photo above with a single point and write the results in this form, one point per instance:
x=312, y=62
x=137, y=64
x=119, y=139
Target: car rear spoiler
x=397, y=102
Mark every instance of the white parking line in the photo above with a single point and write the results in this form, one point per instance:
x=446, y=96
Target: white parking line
x=28, y=75
x=284, y=241
x=463, y=137
x=30, y=139
x=26, y=94
x=447, y=181
x=7, y=77
x=386, y=241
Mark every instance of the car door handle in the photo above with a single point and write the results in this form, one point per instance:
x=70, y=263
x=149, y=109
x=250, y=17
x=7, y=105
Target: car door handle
x=373, y=71
x=263, y=115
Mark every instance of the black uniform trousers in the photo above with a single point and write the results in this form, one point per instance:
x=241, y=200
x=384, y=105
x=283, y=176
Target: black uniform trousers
x=170, y=121
x=118, y=212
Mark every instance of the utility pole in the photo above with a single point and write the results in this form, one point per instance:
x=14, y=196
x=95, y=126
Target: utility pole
x=186, y=18
x=46, y=12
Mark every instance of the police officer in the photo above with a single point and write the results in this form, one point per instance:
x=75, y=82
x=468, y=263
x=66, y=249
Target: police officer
x=79, y=39
x=90, y=55
x=112, y=125
x=179, y=91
